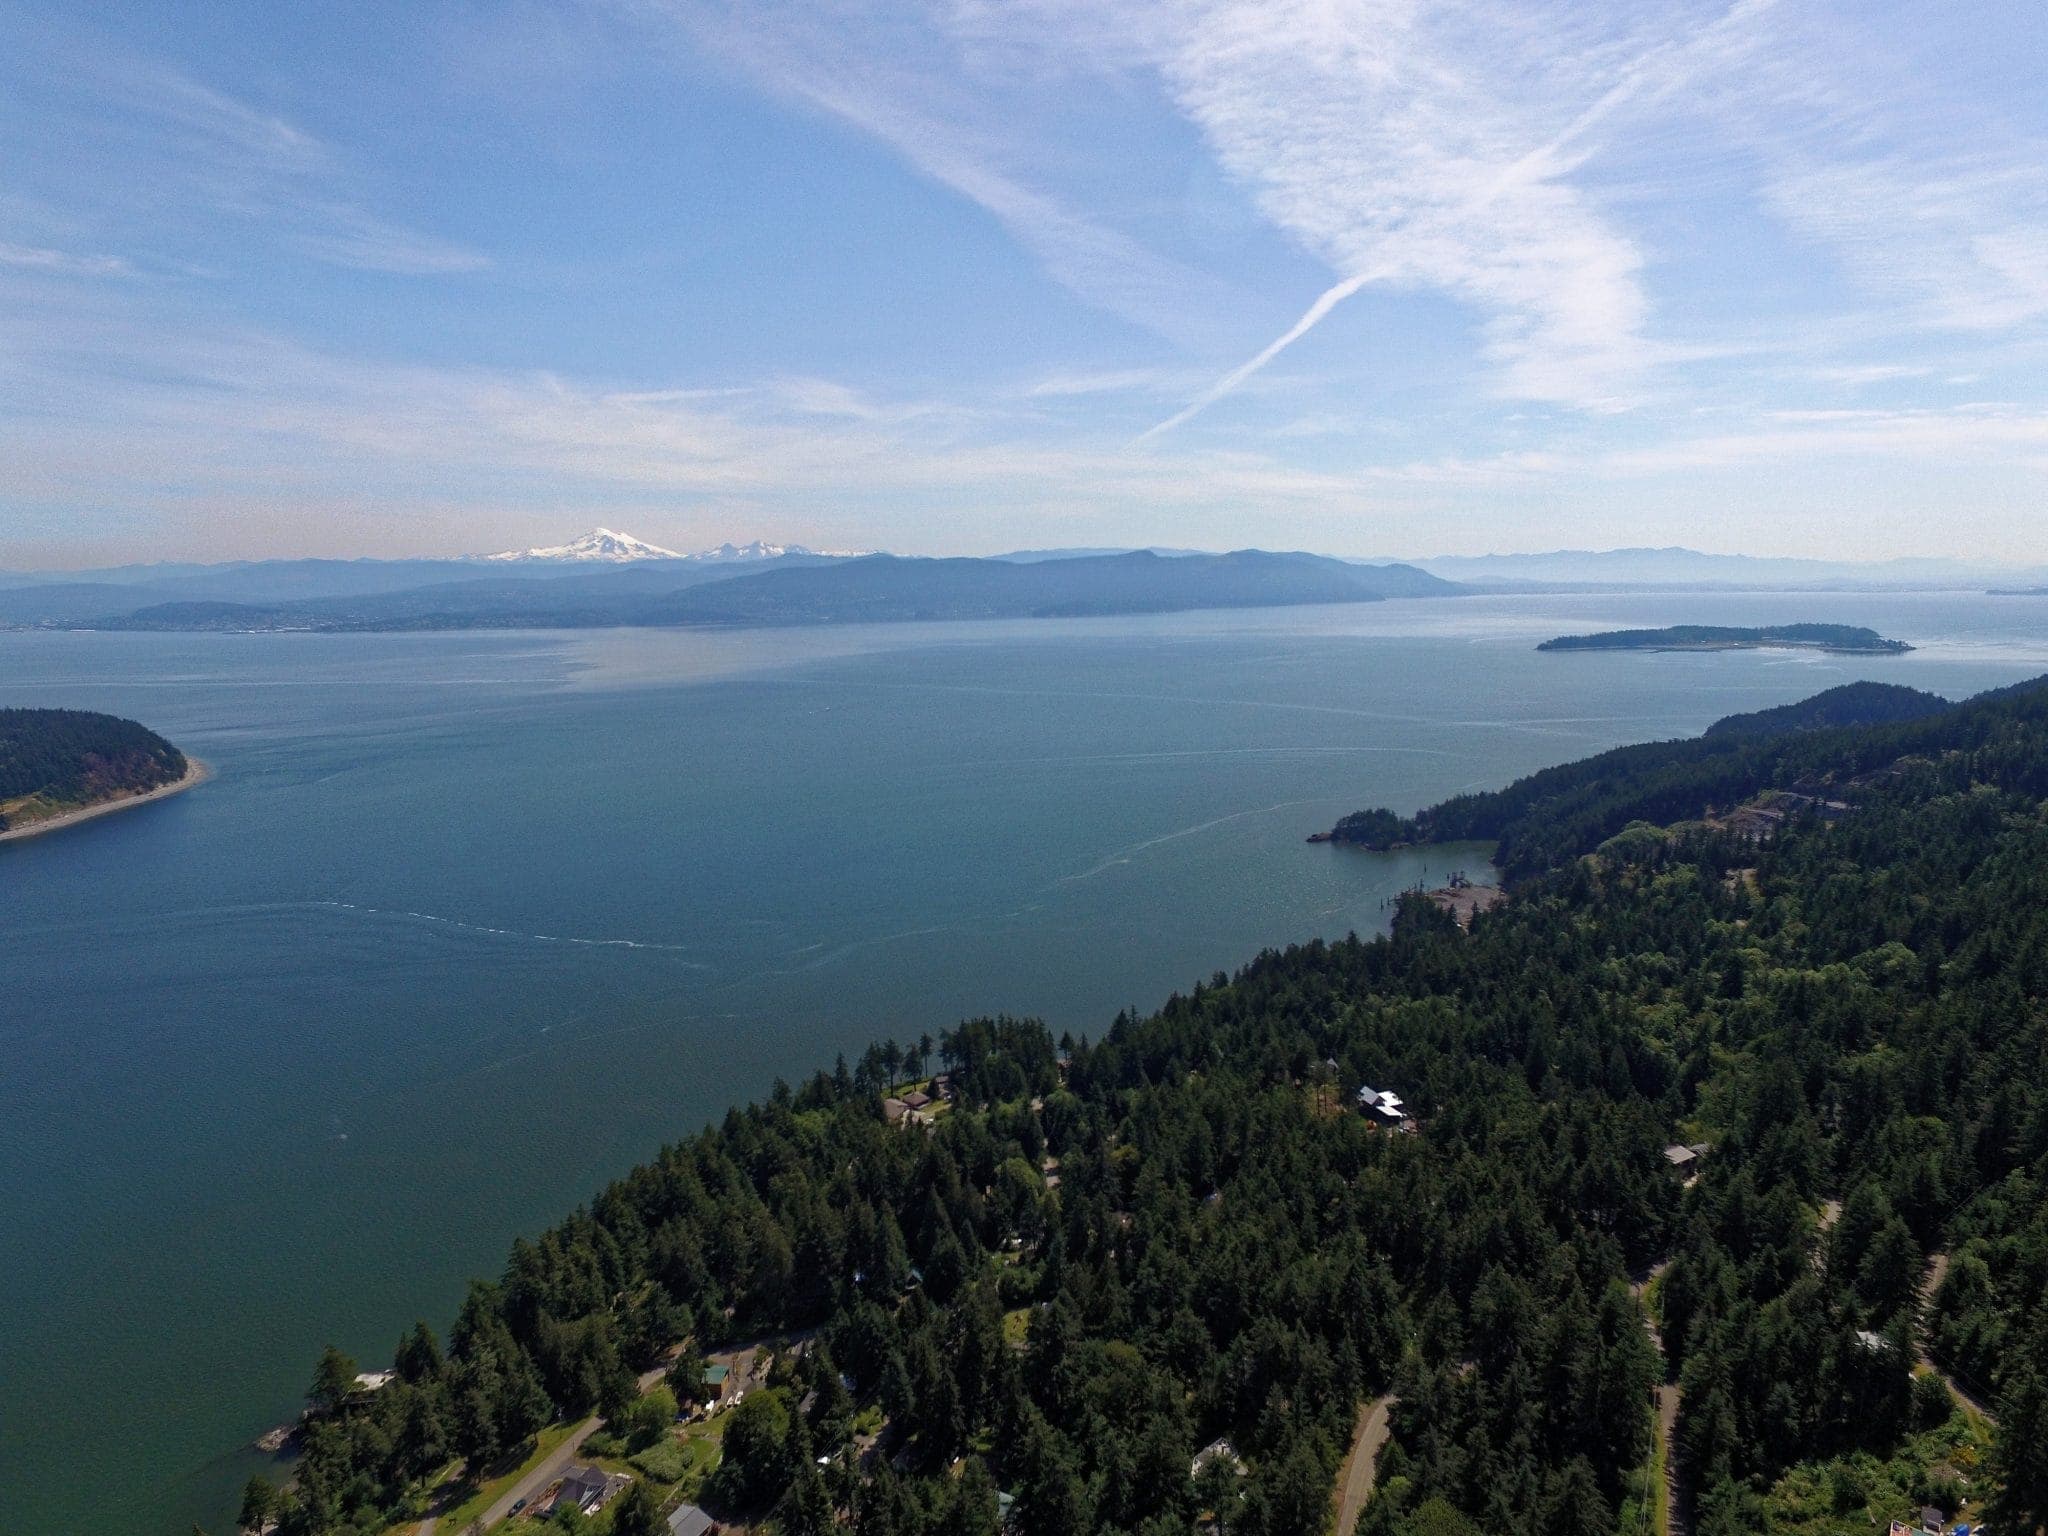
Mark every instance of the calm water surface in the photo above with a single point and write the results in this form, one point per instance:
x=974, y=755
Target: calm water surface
x=466, y=925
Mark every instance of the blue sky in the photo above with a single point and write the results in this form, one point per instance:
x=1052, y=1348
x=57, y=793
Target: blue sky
x=1364, y=276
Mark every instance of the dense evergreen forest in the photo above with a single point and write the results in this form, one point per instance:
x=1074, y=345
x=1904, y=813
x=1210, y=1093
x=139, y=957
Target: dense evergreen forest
x=1851, y=704
x=1785, y=1100
x=1823, y=745
x=53, y=760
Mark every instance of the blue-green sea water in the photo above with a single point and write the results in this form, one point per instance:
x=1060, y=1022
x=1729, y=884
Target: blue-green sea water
x=464, y=925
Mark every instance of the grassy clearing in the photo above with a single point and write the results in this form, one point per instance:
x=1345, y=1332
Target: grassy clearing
x=1852, y=1494
x=482, y=1497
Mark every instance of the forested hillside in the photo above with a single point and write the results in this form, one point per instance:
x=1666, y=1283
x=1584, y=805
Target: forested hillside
x=1851, y=704
x=1082, y=1271
x=53, y=760
x=1822, y=746
x=799, y=590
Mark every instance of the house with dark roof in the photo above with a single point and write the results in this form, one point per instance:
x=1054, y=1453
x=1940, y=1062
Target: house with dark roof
x=1755, y=823
x=689, y=1520
x=587, y=1489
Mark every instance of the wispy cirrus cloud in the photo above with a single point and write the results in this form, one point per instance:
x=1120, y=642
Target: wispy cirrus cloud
x=1433, y=148
x=1961, y=242
x=34, y=258
x=903, y=78
x=252, y=421
x=1459, y=268
x=181, y=169
x=264, y=170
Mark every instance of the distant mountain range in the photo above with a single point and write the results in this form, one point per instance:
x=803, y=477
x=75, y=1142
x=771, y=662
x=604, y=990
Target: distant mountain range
x=608, y=579
x=527, y=583
x=1673, y=567
x=1678, y=567
x=601, y=546
x=611, y=578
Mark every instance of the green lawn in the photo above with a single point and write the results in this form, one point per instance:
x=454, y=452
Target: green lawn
x=481, y=1498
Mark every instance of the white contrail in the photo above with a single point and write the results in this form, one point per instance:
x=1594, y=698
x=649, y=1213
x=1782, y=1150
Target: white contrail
x=1328, y=300
x=1659, y=69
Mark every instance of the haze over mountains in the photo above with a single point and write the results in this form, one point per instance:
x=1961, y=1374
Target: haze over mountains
x=607, y=578
x=1674, y=566
x=613, y=579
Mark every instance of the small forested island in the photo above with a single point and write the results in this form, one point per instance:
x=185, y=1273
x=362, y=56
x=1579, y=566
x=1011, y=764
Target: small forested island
x=1845, y=639
x=61, y=765
x=1701, y=1184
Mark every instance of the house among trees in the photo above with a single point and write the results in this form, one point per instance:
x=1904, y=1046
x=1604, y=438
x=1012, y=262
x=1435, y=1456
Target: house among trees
x=915, y=1100
x=894, y=1109
x=689, y=1520
x=1384, y=1107
x=587, y=1489
x=1216, y=1450
x=1826, y=810
x=716, y=1379
x=1755, y=823
x=1686, y=1159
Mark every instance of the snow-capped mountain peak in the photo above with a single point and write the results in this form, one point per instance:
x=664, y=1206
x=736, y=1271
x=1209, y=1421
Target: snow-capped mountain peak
x=600, y=545
x=760, y=549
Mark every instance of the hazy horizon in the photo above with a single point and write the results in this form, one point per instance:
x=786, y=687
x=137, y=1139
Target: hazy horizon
x=481, y=558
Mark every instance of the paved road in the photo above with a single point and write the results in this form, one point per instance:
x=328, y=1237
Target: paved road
x=547, y=1470
x=1355, y=1478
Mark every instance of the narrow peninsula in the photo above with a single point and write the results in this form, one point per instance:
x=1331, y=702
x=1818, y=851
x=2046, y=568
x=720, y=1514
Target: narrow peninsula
x=1839, y=639
x=59, y=766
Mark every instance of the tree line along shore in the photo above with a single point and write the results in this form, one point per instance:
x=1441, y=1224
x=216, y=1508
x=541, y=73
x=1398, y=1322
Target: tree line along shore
x=59, y=766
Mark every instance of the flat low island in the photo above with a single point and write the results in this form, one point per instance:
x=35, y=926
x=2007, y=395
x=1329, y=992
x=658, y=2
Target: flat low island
x=60, y=766
x=1839, y=639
